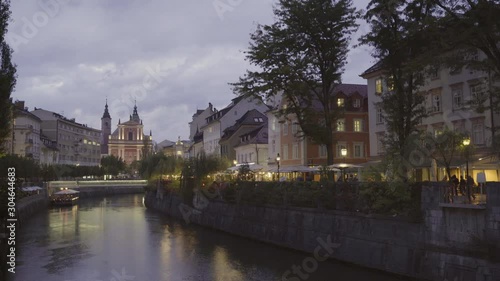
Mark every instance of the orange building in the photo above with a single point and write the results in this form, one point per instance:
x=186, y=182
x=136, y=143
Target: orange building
x=351, y=132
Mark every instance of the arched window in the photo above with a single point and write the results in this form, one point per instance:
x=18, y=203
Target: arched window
x=130, y=135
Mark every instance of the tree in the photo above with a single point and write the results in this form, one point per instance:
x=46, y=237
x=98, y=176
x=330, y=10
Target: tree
x=399, y=32
x=7, y=75
x=112, y=165
x=302, y=56
x=467, y=26
x=444, y=148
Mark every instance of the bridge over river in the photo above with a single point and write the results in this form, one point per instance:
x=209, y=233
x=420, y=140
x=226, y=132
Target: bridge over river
x=116, y=238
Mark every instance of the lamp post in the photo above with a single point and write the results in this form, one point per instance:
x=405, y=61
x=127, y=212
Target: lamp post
x=343, y=151
x=278, y=162
x=466, y=143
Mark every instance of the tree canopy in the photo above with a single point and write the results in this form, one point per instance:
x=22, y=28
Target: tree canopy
x=7, y=75
x=399, y=36
x=302, y=57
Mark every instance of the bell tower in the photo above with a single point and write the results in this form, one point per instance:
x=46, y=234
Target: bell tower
x=105, y=129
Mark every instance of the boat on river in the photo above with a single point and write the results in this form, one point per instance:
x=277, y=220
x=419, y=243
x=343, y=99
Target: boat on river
x=65, y=197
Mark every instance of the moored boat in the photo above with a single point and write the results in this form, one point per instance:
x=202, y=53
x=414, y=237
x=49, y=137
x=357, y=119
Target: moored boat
x=65, y=197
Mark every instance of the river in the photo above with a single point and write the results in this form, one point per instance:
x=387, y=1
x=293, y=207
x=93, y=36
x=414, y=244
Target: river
x=118, y=239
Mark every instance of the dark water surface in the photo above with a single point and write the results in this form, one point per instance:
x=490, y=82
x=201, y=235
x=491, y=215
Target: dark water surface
x=118, y=239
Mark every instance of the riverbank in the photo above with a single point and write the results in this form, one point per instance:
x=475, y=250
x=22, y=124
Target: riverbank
x=450, y=243
x=97, y=191
x=28, y=206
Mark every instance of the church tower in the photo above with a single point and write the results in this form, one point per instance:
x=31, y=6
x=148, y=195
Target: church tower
x=106, y=129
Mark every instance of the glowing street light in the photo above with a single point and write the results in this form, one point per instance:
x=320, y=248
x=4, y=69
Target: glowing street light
x=466, y=143
x=278, y=162
x=343, y=152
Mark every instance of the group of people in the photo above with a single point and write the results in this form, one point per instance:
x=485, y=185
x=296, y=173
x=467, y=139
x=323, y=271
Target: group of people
x=463, y=186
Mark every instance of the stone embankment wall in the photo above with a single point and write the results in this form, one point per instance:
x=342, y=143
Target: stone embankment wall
x=95, y=191
x=450, y=244
x=28, y=206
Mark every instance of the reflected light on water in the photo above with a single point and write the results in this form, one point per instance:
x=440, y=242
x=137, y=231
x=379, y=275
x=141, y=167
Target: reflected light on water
x=224, y=267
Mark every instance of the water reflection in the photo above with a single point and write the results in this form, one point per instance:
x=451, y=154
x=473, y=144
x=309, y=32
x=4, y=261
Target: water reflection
x=116, y=238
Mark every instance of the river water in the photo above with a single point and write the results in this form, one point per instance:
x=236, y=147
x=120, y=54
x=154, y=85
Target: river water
x=118, y=239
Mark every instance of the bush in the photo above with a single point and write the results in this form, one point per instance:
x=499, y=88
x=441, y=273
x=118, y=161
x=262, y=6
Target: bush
x=389, y=198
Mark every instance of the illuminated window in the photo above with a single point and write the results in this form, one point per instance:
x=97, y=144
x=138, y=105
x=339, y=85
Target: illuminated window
x=390, y=83
x=378, y=86
x=340, y=102
x=341, y=125
x=358, y=125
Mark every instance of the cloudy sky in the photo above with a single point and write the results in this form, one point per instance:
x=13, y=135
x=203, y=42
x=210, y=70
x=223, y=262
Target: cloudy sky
x=173, y=57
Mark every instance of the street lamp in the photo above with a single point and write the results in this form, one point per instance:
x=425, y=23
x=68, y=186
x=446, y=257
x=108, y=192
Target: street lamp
x=343, y=152
x=466, y=143
x=235, y=162
x=278, y=162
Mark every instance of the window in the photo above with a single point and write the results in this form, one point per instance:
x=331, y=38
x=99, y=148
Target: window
x=477, y=94
x=438, y=131
x=130, y=135
x=478, y=133
x=285, y=128
x=458, y=97
x=378, y=86
x=339, y=150
x=294, y=128
x=258, y=120
x=436, y=102
x=390, y=83
x=358, y=125
x=295, y=151
x=285, y=152
x=322, y=151
x=459, y=127
x=380, y=143
x=341, y=125
x=358, y=150
x=340, y=102
x=356, y=103
x=380, y=115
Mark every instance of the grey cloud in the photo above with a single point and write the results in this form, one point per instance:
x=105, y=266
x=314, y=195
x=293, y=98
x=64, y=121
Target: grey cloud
x=90, y=50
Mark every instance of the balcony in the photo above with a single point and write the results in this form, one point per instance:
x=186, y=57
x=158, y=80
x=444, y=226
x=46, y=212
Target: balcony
x=433, y=110
x=28, y=141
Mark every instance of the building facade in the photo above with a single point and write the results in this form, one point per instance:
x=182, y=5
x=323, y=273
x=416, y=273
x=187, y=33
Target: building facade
x=448, y=96
x=195, y=134
x=216, y=123
x=49, y=154
x=179, y=148
x=351, y=132
x=77, y=143
x=128, y=141
x=26, y=138
x=250, y=121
